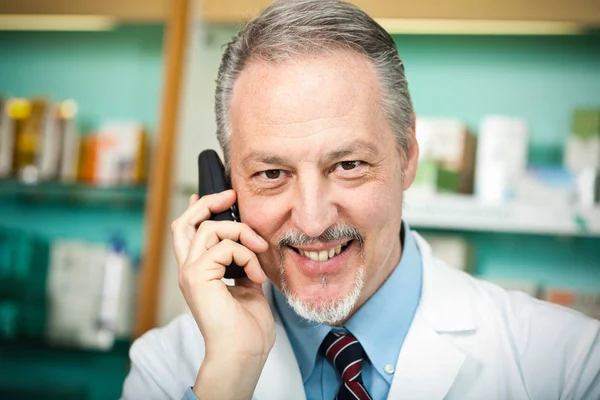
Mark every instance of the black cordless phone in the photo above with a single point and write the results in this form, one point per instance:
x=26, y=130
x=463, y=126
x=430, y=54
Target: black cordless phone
x=212, y=179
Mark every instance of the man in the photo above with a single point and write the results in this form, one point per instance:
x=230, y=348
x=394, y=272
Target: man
x=317, y=128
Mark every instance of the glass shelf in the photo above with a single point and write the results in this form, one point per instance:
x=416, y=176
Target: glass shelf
x=73, y=194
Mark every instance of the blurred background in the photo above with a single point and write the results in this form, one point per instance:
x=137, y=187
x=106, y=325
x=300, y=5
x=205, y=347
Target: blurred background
x=104, y=106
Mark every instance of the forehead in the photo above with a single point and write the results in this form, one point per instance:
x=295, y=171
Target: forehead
x=302, y=97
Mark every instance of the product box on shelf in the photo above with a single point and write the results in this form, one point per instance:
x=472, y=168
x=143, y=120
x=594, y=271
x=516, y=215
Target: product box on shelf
x=446, y=155
x=502, y=151
x=115, y=154
x=587, y=303
x=582, y=148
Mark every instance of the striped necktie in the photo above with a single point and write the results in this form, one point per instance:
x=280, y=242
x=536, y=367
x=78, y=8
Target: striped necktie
x=345, y=353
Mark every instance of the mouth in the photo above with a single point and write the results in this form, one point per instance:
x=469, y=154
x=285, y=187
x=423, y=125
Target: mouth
x=324, y=254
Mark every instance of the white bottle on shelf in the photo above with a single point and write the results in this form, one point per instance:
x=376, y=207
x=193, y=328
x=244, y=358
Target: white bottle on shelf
x=117, y=263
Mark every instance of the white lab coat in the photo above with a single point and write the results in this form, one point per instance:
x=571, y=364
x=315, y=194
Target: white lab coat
x=469, y=340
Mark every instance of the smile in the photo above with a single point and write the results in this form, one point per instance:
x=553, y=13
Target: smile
x=322, y=255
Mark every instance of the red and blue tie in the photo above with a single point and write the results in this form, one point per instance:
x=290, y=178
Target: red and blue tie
x=346, y=354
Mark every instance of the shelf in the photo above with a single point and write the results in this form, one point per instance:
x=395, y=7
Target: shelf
x=461, y=212
x=79, y=194
x=39, y=346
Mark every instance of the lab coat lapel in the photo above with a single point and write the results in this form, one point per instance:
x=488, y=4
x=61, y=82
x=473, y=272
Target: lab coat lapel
x=280, y=378
x=429, y=363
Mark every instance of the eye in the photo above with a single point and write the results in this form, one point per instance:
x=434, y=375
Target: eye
x=347, y=165
x=270, y=174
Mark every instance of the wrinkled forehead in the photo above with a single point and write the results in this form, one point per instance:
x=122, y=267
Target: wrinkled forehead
x=305, y=96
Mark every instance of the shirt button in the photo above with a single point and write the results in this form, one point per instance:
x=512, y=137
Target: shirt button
x=389, y=369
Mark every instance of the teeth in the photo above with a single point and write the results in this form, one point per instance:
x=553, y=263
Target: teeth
x=323, y=255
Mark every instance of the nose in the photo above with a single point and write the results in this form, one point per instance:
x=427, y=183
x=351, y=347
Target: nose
x=314, y=209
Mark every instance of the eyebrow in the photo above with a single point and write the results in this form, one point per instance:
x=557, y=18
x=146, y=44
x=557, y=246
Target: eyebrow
x=357, y=146
x=261, y=157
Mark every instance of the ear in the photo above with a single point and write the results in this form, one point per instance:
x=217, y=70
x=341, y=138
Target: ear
x=412, y=157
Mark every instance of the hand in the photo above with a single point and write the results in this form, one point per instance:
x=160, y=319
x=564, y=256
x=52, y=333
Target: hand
x=235, y=321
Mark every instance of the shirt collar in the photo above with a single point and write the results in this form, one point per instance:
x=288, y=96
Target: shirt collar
x=380, y=335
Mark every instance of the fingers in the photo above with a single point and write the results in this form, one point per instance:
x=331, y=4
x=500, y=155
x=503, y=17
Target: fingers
x=247, y=283
x=212, y=232
x=211, y=265
x=193, y=198
x=184, y=228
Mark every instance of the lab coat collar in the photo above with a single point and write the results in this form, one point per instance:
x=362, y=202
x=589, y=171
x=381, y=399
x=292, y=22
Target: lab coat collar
x=445, y=303
x=429, y=363
x=280, y=378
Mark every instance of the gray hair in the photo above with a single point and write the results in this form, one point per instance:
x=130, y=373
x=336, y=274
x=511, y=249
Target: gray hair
x=299, y=28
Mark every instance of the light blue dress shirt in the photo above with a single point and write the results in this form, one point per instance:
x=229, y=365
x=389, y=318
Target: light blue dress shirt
x=380, y=326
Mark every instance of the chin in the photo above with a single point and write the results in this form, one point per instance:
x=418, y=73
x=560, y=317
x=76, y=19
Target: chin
x=325, y=303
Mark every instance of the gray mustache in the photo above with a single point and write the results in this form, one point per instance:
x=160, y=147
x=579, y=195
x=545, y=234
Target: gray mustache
x=331, y=234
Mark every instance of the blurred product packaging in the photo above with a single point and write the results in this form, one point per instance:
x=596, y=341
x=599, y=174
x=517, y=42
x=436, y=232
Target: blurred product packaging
x=90, y=291
x=446, y=156
x=516, y=285
x=551, y=186
x=587, y=303
x=59, y=153
x=582, y=149
x=582, y=155
x=38, y=140
x=454, y=250
x=502, y=150
x=6, y=139
x=115, y=154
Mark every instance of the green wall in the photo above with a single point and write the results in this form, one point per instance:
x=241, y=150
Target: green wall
x=111, y=74
x=541, y=79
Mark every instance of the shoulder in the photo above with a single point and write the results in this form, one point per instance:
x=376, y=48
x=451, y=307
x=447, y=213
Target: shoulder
x=491, y=307
x=555, y=350
x=165, y=361
x=526, y=318
x=179, y=336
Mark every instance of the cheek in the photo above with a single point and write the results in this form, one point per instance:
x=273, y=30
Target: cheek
x=266, y=217
x=373, y=208
x=263, y=215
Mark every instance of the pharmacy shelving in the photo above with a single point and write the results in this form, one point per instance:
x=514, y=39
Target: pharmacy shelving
x=462, y=212
x=74, y=194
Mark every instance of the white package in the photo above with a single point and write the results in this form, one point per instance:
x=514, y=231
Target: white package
x=501, y=158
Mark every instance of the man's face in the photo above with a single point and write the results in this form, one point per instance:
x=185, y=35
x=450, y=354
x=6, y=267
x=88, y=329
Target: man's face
x=311, y=154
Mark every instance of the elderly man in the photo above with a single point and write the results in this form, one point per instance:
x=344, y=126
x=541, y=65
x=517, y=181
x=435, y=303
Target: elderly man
x=341, y=298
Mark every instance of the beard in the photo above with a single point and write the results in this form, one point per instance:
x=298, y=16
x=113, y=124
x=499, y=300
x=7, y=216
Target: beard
x=323, y=312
